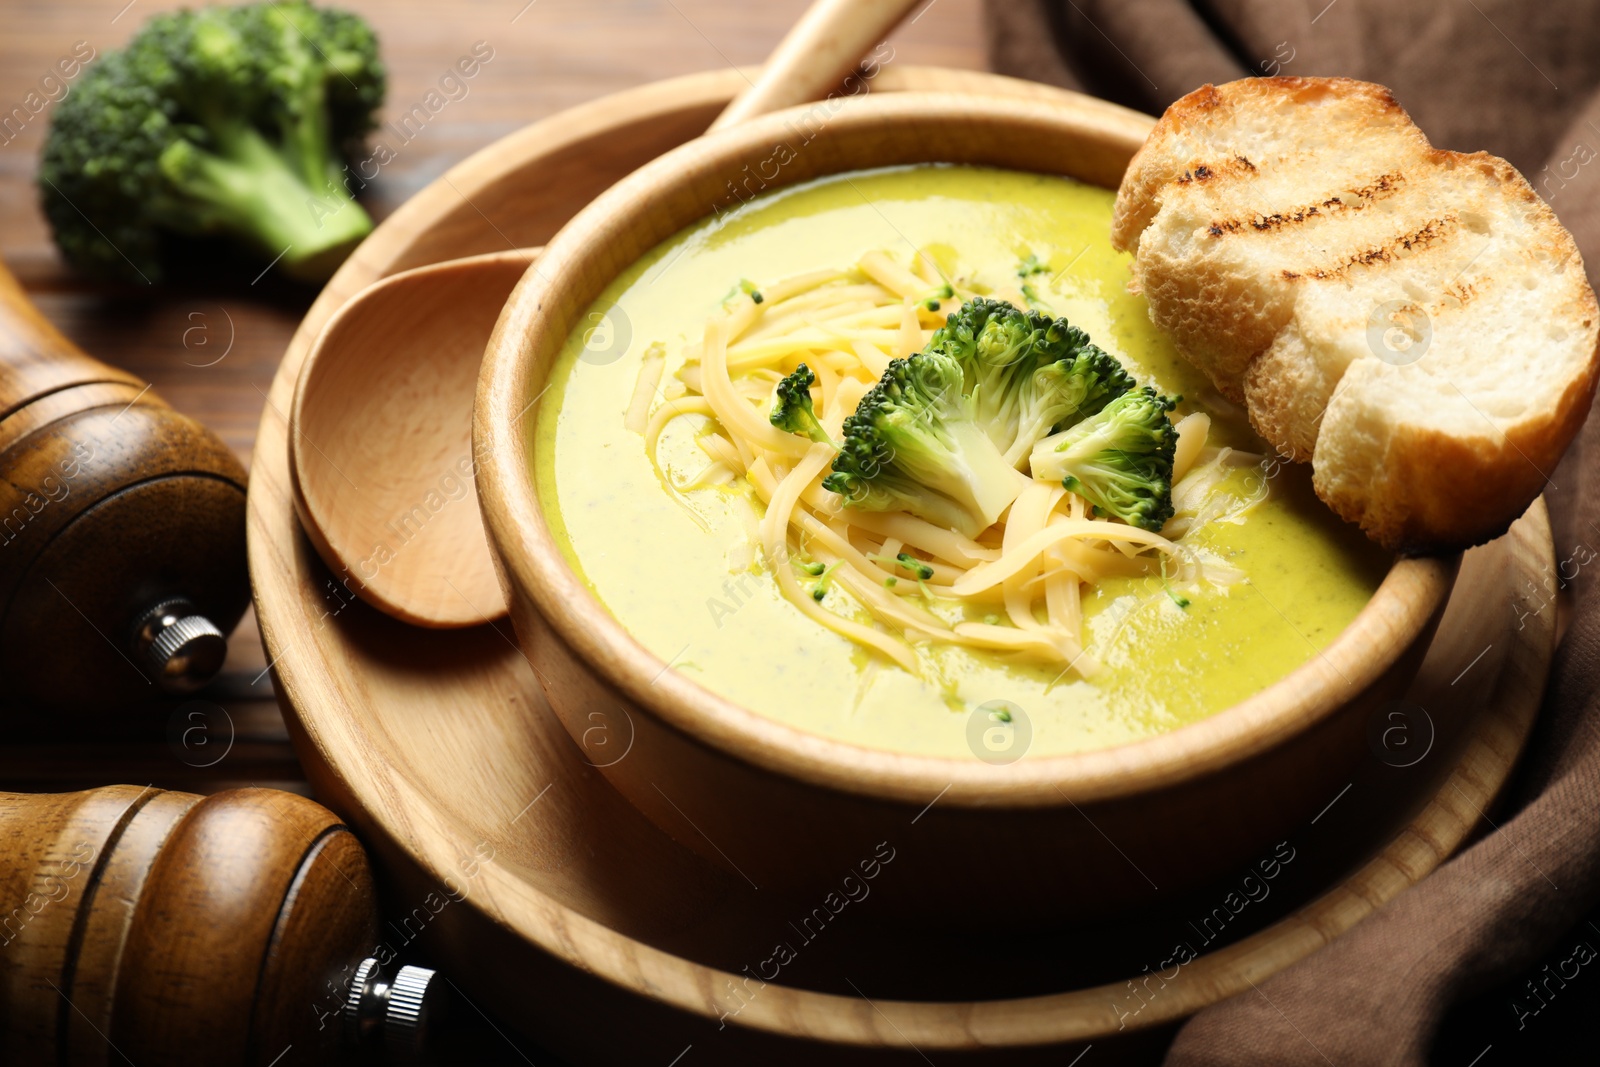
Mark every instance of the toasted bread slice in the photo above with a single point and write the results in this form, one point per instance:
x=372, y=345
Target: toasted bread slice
x=1414, y=322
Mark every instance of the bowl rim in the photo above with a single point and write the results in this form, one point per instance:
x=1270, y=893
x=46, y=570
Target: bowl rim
x=1406, y=601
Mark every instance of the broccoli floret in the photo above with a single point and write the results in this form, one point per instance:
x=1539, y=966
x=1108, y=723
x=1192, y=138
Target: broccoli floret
x=912, y=445
x=914, y=565
x=936, y=295
x=1120, y=460
x=990, y=339
x=1059, y=392
x=230, y=121
x=792, y=409
x=1026, y=373
x=1026, y=269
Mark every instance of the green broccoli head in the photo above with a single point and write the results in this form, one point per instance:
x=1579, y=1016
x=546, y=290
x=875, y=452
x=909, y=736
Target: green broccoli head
x=227, y=121
x=792, y=409
x=912, y=445
x=1060, y=391
x=1027, y=373
x=324, y=83
x=988, y=338
x=350, y=71
x=1120, y=460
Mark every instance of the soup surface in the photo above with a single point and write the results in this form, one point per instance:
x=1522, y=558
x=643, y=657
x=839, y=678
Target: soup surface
x=677, y=569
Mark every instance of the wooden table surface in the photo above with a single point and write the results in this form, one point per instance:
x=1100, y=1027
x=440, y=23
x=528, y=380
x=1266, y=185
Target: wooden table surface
x=210, y=348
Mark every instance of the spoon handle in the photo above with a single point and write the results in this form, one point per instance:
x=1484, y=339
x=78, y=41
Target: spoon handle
x=815, y=55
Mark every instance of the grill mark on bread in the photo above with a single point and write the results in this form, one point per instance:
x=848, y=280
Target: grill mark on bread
x=1434, y=233
x=1279, y=219
x=1457, y=296
x=1380, y=188
x=1204, y=173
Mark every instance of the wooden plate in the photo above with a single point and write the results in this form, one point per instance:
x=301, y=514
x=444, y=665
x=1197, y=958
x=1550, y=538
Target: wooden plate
x=551, y=902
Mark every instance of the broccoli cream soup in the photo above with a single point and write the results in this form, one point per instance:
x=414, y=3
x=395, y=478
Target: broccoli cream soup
x=895, y=457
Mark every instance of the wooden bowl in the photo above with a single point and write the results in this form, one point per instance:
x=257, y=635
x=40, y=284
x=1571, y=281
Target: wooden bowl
x=1055, y=838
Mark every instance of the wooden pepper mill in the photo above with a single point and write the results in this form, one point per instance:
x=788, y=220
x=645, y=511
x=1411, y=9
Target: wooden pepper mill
x=159, y=928
x=122, y=550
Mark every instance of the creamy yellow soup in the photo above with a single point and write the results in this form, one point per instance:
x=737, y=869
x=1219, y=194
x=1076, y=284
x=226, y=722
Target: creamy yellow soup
x=678, y=572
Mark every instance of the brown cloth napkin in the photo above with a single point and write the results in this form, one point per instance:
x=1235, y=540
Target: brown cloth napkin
x=1517, y=78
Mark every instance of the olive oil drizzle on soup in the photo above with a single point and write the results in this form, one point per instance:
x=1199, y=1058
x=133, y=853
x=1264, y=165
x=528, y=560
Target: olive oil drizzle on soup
x=679, y=570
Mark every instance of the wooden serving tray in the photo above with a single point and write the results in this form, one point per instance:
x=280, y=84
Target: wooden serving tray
x=555, y=905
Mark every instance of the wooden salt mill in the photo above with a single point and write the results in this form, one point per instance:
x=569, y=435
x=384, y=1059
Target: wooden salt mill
x=122, y=552
x=158, y=928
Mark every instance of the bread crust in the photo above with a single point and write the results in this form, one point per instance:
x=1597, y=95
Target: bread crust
x=1285, y=229
x=1209, y=106
x=1491, y=482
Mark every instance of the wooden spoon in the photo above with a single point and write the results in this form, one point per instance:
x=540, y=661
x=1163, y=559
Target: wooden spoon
x=380, y=443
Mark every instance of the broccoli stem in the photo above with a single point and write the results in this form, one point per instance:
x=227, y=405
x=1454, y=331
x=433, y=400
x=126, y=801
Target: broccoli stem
x=306, y=137
x=249, y=188
x=983, y=482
